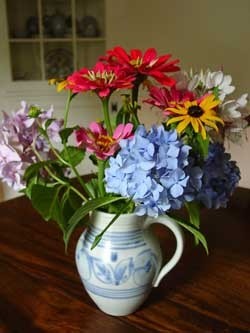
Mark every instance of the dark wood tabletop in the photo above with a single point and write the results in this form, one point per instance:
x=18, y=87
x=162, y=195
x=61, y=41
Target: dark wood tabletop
x=40, y=290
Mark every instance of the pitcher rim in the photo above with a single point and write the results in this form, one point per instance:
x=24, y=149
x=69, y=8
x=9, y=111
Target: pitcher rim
x=113, y=214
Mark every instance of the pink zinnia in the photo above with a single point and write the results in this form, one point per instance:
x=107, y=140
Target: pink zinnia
x=95, y=139
x=102, y=78
x=147, y=64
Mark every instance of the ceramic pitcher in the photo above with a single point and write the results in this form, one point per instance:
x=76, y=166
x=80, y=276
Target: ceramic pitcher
x=119, y=273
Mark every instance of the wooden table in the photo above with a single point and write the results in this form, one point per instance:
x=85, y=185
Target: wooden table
x=40, y=290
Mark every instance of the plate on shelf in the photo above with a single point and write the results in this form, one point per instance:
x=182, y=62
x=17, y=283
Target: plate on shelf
x=58, y=63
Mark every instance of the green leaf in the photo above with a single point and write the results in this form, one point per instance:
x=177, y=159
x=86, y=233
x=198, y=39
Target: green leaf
x=74, y=200
x=42, y=132
x=116, y=207
x=99, y=236
x=197, y=234
x=49, y=122
x=83, y=211
x=93, y=159
x=70, y=202
x=45, y=201
x=73, y=155
x=34, y=169
x=216, y=92
x=66, y=132
x=194, y=213
x=29, y=185
x=122, y=116
x=92, y=187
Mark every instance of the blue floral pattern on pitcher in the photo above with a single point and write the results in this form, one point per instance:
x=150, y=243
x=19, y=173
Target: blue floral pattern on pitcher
x=140, y=269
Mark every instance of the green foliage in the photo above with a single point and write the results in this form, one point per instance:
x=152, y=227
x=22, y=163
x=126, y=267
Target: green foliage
x=93, y=159
x=66, y=132
x=34, y=169
x=81, y=212
x=49, y=122
x=122, y=116
x=92, y=187
x=203, y=145
x=216, y=92
x=194, y=213
x=46, y=201
x=199, y=237
x=193, y=209
x=73, y=155
x=70, y=202
x=122, y=210
x=117, y=207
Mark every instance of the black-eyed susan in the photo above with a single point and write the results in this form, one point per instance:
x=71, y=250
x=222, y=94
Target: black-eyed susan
x=199, y=113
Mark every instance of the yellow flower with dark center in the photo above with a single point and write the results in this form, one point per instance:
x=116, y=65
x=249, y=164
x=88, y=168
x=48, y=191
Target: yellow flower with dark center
x=198, y=113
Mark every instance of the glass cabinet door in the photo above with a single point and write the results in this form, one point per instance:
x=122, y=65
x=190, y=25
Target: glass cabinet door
x=52, y=38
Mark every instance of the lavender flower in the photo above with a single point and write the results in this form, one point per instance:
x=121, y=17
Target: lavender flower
x=18, y=133
x=220, y=177
x=150, y=168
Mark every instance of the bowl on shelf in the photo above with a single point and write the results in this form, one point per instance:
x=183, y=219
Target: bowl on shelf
x=88, y=27
x=58, y=63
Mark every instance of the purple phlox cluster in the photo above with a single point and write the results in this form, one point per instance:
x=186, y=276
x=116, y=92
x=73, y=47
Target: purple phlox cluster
x=18, y=133
x=151, y=168
x=220, y=177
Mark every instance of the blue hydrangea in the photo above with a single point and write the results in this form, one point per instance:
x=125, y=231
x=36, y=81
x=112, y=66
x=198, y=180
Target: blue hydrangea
x=220, y=177
x=151, y=169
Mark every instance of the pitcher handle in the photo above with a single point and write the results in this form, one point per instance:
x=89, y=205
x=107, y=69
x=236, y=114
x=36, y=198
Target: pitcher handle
x=177, y=231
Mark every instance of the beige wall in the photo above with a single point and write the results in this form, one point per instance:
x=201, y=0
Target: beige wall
x=201, y=33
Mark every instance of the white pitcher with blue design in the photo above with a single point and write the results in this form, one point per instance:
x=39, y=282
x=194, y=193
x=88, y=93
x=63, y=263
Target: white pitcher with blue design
x=121, y=270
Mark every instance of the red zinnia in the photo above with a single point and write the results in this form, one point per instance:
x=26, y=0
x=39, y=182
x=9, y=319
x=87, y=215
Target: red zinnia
x=164, y=98
x=147, y=64
x=102, y=78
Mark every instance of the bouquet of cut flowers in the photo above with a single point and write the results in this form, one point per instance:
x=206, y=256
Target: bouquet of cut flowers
x=179, y=163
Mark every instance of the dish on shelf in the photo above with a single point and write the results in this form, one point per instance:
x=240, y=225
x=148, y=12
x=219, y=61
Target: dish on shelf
x=58, y=63
x=88, y=27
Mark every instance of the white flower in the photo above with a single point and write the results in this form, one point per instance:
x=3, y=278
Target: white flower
x=221, y=82
x=210, y=80
x=196, y=80
x=233, y=109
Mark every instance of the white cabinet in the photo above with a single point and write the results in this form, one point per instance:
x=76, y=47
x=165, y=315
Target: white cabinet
x=50, y=39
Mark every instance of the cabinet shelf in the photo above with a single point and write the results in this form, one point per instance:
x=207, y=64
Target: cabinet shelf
x=24, y=40
x=51, y=38
x=85, y=39
x=55, y=40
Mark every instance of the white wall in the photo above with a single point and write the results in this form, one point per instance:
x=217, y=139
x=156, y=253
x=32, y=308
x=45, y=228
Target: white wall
x=201, y=33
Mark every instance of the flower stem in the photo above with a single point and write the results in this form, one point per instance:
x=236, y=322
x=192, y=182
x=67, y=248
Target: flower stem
x=135, y=94
x=101, y=168
x=105, y=105
x=66, y=114
x=59, y=180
